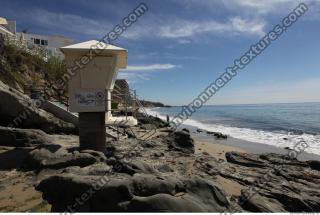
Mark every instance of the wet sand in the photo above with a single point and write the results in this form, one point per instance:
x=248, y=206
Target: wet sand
x=246, y=146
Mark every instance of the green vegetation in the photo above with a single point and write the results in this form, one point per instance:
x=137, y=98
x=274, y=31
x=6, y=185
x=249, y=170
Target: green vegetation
x=21, y=70
x=114, y=105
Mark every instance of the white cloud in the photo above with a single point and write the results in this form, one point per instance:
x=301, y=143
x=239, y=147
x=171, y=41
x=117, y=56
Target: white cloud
x=153, y=26
x=133, y=77
x=140, y=73
x=241, y=17
x=184, y=29
x=64, y=22
x=252, y=8
x=152, y=67
x=261, y=6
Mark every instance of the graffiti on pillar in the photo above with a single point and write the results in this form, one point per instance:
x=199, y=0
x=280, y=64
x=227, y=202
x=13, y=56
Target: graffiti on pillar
x=90, y=99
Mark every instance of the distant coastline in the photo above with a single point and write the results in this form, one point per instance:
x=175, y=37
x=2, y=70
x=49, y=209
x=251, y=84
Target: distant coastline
x=151, y=104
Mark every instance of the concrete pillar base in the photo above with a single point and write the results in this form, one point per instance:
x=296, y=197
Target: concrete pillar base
x=92, y=131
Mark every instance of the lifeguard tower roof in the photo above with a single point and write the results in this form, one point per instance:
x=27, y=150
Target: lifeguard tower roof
x=104, y=50
x=3, y=21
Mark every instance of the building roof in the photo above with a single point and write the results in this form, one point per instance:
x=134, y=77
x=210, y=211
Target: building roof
x=106, y=49
x=3, y=21
x=4, y=30
x=93, y=44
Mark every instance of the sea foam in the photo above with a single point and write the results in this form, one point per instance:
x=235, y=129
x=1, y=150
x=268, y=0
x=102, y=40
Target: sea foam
x=278, y=139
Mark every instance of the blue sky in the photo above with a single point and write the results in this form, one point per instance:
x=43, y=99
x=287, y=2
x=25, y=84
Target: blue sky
x=179, y=47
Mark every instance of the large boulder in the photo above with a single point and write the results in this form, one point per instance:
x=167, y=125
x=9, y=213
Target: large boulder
x=314, y=164
x=181, y=141
x=56, y=157
x=18, y=110
x=99, y=168
x=22, y=137
x=148, y=120
x=137, y=193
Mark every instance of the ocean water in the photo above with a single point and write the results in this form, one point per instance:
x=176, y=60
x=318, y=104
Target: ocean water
x=279, y=125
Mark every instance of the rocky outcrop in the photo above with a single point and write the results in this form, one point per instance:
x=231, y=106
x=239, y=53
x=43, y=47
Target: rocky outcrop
x=150, y=104
x=55, y=157
x=181, y=141
x=279, y=184
x=314, y=164
x=15, y=137
x=18, y=110
x=137, y=193
x=217, y=135
x=164, y=175
x=144, y=120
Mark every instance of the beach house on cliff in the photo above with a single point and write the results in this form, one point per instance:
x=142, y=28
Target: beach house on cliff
x=50, y=44
x=7, y=27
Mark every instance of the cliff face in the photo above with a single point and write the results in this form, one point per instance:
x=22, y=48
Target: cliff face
x=18, y=110
x=21, y=70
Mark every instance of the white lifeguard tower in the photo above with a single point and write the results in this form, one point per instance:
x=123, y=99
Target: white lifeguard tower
x=90, y=87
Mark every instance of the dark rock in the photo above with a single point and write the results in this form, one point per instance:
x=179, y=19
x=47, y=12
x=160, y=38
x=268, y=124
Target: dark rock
x=22, y=137
x=51, y=158
x=218, y=135
x=137, y=179
x=257, y=203
x=205, y=153
x=314, y=164
x=148, y=144
x=186, y=130
x=37, y=155
x=181, y=141
x=164, y=203
x=81, y=159
x=138, y=193
x=148, y=119
x=199, y=130
x=148, y=126
x=99, y=168
x=244, y=159
x=275, y=183
x=158, y=154
x=132, y=167
x=165, y=168
x=221, y=136
x=111, y=161
x=98, y=155
x=281, y=159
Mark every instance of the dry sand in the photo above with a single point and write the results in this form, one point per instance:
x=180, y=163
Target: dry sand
x=218, y=151
x=17, y=193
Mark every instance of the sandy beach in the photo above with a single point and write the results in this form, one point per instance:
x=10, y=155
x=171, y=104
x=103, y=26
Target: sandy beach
x=217, y=146
x=218, y=151
x=215, y=150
